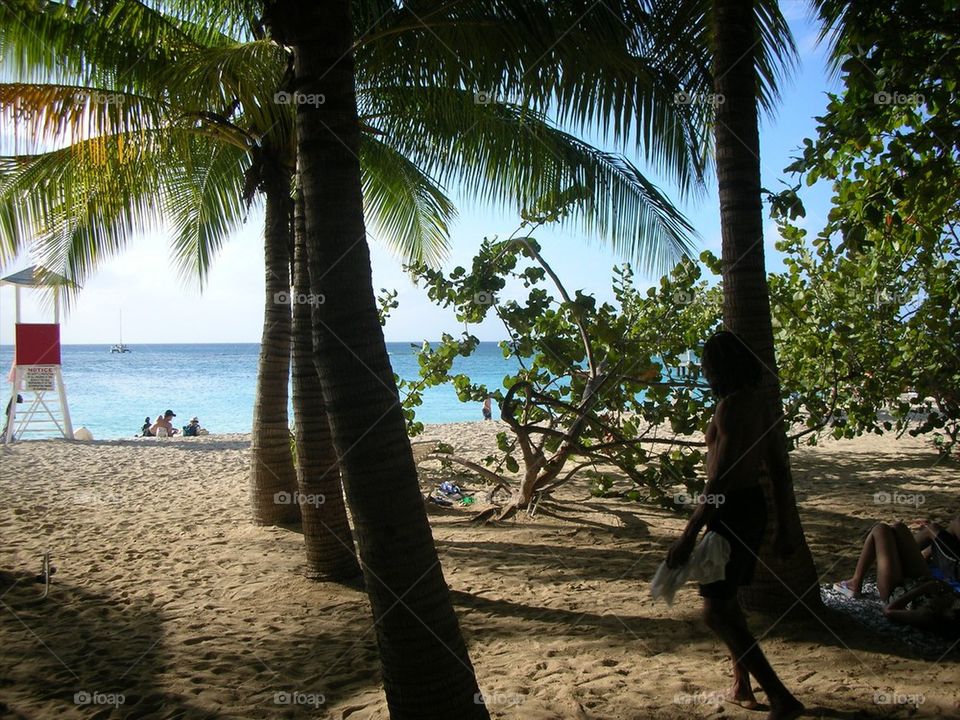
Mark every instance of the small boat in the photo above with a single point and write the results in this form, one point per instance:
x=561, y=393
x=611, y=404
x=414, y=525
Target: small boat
x=120, y=347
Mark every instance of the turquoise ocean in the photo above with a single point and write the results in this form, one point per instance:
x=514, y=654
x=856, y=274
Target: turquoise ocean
x=111, y=393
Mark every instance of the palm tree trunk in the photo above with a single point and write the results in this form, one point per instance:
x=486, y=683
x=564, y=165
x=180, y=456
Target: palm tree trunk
x=326, y=531
x=426, y=670
x=273, y=481
x=779, y=585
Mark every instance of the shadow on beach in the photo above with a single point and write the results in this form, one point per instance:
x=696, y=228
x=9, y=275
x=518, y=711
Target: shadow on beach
x=79, y=653
x=204, y=443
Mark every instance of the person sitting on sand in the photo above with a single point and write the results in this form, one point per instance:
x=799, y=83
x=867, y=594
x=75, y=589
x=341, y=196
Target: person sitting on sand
x=899, y=557
x=145, y=430
x=737, y=442
x=163, y=421
x=192, y=429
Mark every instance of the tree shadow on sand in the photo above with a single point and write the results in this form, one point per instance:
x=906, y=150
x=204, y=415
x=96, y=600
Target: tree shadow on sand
x=77, y=650
x=80, y=653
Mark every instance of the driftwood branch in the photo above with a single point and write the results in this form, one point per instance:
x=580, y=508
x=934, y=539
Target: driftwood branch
x=476, y=467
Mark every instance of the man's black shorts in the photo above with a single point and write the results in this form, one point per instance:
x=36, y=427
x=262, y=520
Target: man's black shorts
x=741, y=519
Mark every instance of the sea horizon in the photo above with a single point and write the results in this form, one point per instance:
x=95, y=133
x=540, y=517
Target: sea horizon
x=112, y=394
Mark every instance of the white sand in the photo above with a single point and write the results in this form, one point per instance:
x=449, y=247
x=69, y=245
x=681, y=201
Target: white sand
x=167, y=595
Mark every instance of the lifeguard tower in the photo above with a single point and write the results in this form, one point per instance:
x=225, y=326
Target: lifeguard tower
x=36, y=374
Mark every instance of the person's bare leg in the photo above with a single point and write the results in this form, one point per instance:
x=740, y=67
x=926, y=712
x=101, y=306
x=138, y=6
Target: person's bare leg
x=912, y=563
x=741, y=693
x=880, y=547
x=725, y=618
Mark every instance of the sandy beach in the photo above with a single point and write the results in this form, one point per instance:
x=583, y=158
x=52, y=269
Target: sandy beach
x=168, y=602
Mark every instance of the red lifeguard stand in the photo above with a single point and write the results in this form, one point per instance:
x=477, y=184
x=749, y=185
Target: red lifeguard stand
x=36, y=374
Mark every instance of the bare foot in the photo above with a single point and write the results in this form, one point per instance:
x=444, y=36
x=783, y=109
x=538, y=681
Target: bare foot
x=742, y=696
x=785, y=709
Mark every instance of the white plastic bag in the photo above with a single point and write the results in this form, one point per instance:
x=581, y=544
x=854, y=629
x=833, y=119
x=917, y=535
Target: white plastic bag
x=707, y=564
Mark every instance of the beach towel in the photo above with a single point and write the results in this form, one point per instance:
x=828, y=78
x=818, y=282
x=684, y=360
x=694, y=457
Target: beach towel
x=706, y=565
x=868, y=611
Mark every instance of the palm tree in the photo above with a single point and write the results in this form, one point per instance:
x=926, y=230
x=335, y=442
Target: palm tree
x=782, y=583
x=419, y=638
x=406, y=586
x=272, y=473
x=329, y=541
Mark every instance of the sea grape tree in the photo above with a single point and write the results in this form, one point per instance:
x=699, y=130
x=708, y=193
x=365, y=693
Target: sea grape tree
x=869, y=309
x=598, y=385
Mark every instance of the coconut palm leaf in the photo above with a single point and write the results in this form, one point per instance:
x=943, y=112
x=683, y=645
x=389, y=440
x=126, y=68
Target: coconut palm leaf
x=46, y=114
x=508, y=154
x=204, y=203
x=407, y=207
x=78, y=205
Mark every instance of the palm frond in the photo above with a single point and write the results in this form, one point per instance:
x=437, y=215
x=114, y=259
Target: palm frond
x=593, y=65
x=511, y=155
x=77, y=206
x=410, y=210
x=59, y=114
x=204, y=204
x=240, y=79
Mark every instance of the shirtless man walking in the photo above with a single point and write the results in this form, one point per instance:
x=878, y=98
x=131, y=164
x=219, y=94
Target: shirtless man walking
x=738, y=440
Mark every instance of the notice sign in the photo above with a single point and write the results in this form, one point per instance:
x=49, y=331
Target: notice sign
x=39, y=379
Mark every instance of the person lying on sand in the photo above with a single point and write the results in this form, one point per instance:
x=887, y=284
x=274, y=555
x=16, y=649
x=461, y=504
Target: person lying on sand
x=941, y=546
x=899, y=557
x=737, y=441
x=930, y=605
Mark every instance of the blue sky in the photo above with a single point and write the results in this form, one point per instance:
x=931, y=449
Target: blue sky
x=159, y=308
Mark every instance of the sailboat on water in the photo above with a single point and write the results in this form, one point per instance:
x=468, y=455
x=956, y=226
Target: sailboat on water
x=120, y=347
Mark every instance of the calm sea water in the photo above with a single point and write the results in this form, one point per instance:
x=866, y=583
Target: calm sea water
x=112, y=393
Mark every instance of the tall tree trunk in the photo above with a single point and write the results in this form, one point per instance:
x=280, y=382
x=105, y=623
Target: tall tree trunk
x=779, y=584
x=273, y=480
x=426, y=670
x=326, y=531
